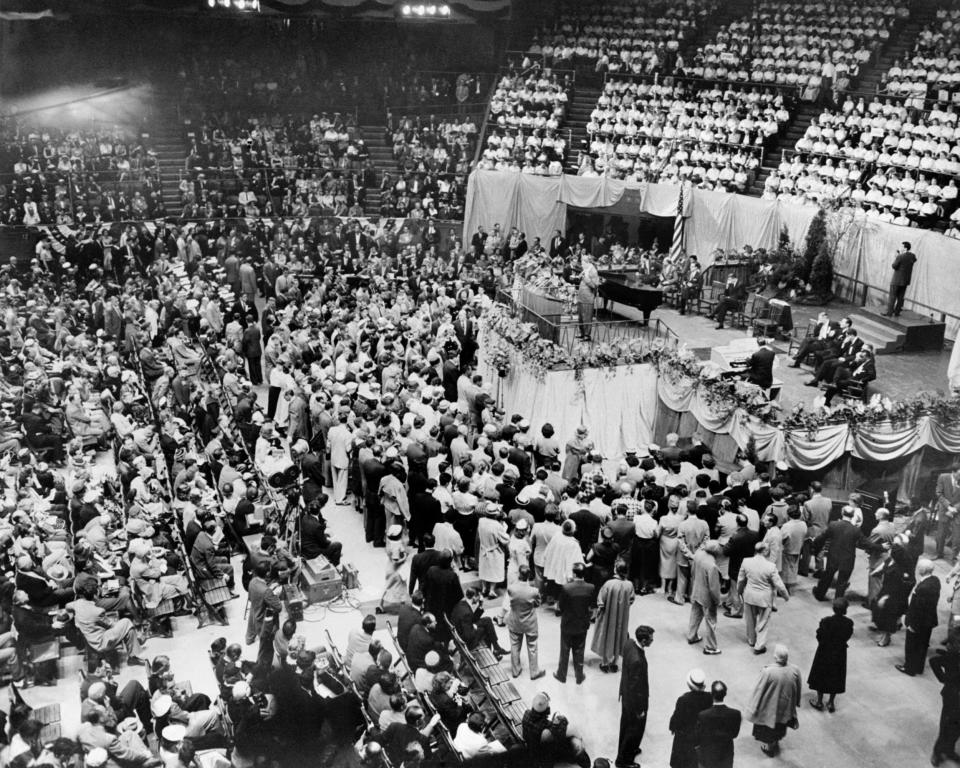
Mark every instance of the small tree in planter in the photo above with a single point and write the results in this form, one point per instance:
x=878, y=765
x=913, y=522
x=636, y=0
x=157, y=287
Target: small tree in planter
x=821, y=274
x=816, y=236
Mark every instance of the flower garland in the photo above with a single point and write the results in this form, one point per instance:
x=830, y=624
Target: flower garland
x=681, y=368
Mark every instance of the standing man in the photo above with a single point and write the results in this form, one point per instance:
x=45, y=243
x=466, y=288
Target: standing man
x=634, y=697
x=773, y=704
x=705, y=597
x=252, y=350
x=841, y=539
x=946, y=666
x=265, y=608
x=340, y=438
x=758, y=585
x=948, y=505
x=902, y=274
x=921, y=618
x=248, y=281
x=717, y=727
x=816, y=514
x=683, y=721
x=576, y=599
x=587, y=294
x=522, y=623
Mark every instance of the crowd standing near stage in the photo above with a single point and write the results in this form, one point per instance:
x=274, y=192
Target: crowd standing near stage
x=160, y=391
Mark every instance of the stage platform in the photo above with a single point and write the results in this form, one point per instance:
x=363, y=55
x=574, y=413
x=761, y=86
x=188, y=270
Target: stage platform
x=910, y=332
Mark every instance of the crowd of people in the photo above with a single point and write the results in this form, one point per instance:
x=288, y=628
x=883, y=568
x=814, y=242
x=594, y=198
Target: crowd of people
x=931, y=72
x=818, y=48
x=637, y=37
x=674, y=133
x=51, y=176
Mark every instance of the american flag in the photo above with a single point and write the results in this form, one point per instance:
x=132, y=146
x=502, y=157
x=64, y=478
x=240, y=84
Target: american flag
x=676, y=248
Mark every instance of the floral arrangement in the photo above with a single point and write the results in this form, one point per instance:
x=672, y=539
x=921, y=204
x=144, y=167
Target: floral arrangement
x=878, y=410
x=683, y=368
x=553, y=286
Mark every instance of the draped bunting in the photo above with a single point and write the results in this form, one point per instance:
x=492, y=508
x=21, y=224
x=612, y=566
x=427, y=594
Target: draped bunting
x=538, y=206
x=618, y=405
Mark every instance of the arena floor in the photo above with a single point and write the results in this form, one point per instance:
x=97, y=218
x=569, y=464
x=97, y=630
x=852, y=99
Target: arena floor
x=885, y=719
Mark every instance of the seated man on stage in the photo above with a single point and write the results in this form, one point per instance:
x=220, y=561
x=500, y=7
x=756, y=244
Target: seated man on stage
x=734, y=294
x=863, y=369
x=837, y=355
x=819, y=341
x=691, y=282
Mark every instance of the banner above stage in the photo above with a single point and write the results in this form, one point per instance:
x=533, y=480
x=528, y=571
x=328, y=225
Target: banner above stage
x=537, y=205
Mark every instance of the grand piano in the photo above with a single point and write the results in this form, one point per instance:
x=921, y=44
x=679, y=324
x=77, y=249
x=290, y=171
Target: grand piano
x=627, y=288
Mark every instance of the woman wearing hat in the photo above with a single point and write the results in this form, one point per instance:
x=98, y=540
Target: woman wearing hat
x=492, y=539
x=577, y=449
x=395, y=591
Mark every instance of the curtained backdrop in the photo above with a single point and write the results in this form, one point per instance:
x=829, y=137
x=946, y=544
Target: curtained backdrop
x=538, y=206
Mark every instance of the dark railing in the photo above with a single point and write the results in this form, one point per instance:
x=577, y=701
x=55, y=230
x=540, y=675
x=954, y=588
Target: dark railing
x=859, y=292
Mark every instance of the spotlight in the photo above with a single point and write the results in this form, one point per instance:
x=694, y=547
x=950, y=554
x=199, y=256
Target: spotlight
x=431, y=10
x=212, y=3
x=444, y=10
x=419, y=10
x=406, y=10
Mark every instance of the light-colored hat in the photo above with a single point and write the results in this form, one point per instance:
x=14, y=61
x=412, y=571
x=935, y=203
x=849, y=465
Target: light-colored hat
x=696, y=680
x=175, y=732
x=395, y=531
x=96, y=757
x=161, y=705
x=432, y=659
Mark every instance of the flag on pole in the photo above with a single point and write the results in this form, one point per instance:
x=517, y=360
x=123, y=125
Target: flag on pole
x=676, y=248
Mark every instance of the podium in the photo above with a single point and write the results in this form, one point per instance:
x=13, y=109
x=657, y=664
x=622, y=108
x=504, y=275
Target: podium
x=319, y=580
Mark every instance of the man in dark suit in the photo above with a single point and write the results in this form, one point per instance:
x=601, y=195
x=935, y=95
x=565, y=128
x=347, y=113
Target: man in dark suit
x=841, y=539
x=691, y=284
x=313, y=537
x=466, y=330
x=634, y=697
x=863, y=369
x=409, y=615
x=576, y=597
x=921, y=618
x=473, y=627
x=241, y=308
x=252, y=350
x=902, y=274
x=478, y=242
x=845, y=352
x=441, y=586
x=423, y=638
x=739, y=546
x=761, y=498
x=717, y=727
x=558, y=245
x=423, y=562
x=734, y=294
x=760, y=365
x=683, y=721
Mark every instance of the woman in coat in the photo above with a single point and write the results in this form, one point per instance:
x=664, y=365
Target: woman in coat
x=896, y=581
x=669, y=543
x=828, y=673
x=613, y=618
x=492, y=538
x=576, y=453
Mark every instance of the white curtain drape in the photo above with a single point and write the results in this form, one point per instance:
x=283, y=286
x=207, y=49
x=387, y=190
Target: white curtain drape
x=538, y=206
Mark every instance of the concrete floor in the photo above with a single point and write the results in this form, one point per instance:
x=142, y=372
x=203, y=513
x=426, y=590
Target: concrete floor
x=885, y=719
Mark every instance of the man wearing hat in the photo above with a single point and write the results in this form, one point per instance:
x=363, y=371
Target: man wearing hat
x=634, y=697
x=546, y=737
x=683, y=722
